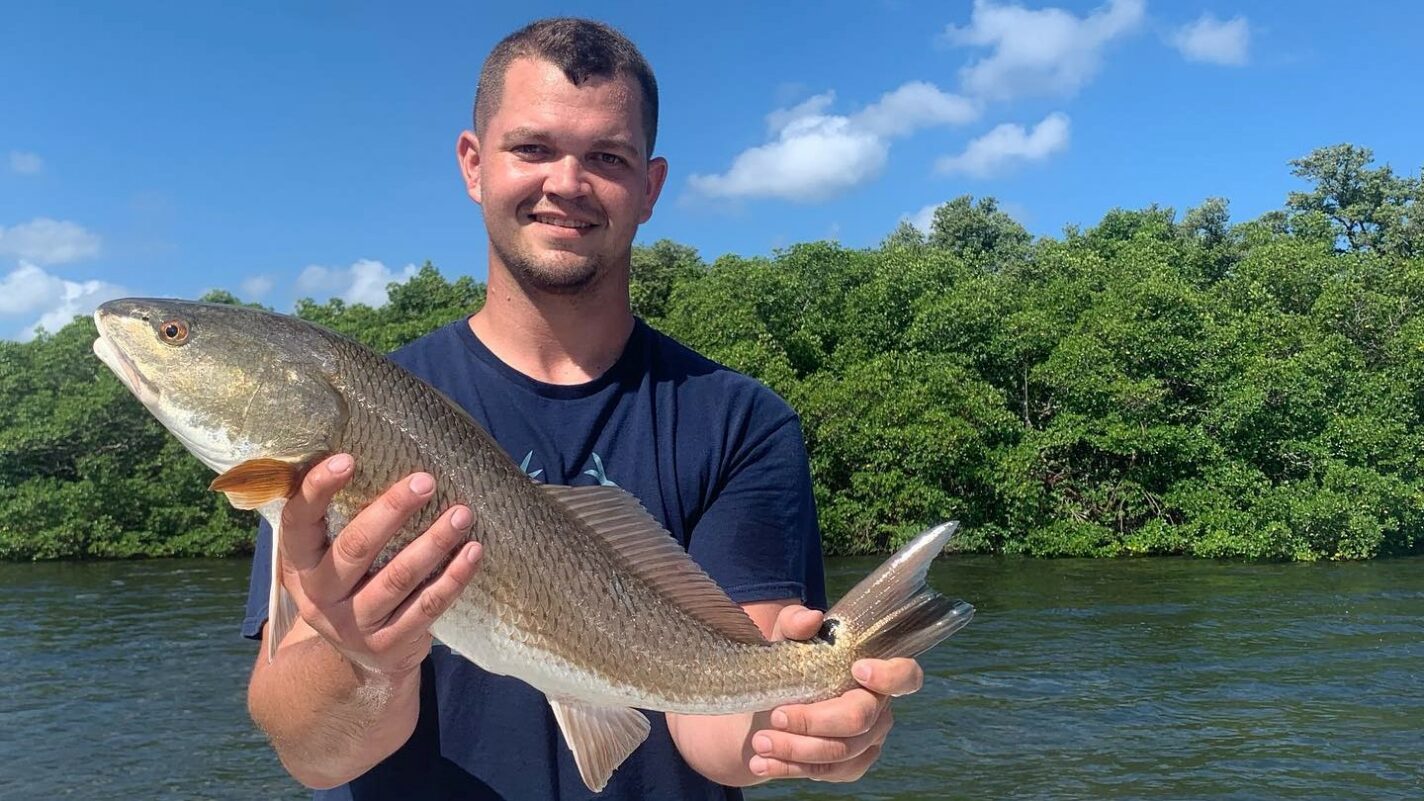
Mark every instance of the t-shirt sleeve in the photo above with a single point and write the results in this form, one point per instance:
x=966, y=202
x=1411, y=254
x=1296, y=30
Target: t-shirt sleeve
x=758, y=537
x=259, y=584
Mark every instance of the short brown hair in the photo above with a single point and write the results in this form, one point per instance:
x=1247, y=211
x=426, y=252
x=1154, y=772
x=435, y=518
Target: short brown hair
x=583, y=49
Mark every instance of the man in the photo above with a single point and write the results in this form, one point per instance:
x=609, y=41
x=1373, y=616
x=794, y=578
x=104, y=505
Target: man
x=559, y=371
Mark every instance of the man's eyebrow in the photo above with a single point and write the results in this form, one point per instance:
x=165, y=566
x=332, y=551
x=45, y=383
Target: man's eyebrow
x=515, y=134
x=616, y=143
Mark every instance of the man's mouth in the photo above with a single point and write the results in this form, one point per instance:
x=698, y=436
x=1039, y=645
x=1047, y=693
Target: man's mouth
x=562, y=222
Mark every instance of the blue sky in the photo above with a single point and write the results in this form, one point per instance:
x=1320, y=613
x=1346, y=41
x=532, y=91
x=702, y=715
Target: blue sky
x=282, y=150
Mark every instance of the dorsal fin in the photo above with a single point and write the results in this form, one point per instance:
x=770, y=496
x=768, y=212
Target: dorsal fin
x=655, y=557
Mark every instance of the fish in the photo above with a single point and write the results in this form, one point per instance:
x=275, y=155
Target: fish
x=581, y=593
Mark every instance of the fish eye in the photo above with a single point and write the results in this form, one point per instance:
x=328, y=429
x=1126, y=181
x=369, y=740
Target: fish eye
x=173, y=332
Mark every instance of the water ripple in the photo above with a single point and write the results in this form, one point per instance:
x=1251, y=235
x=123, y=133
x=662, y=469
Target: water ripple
x=1141, y=679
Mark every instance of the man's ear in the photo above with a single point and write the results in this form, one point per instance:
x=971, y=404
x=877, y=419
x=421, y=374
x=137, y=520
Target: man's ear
x=467, y=149
x=657, y=176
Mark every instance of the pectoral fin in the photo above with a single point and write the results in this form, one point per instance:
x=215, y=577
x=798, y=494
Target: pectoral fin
x=258, y=482
x=601, y=737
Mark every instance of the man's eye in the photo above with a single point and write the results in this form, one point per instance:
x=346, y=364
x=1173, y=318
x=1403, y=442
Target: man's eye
x=528, y=150
x=608, y=159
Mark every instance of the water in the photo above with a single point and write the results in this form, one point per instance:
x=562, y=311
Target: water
x=1151, y=679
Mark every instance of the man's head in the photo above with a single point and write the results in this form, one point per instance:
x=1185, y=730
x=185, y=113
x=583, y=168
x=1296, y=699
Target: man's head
x=583, y=49
x=561, y=158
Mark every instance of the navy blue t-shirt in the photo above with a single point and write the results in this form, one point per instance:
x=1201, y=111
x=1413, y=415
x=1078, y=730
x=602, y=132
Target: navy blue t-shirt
x=715, y=456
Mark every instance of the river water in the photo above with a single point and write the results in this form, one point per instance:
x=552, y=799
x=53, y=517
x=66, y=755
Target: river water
x=1146, y=679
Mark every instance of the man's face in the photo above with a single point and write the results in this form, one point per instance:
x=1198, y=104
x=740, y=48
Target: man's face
x=563, y=176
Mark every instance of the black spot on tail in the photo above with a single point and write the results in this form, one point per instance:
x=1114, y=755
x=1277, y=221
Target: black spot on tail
x=827, y=633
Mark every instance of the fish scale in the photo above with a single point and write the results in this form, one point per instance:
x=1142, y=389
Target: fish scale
x=580, y=592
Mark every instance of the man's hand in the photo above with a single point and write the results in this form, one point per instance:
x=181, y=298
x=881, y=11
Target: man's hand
x=836, y=740
x=343, y=692
x=379, y=623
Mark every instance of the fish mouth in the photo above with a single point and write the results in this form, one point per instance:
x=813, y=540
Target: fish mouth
x=122, y=367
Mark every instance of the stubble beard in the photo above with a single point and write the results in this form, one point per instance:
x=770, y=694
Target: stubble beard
x=547, y=276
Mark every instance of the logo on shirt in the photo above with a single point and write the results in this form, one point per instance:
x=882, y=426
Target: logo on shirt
x=598, y=474
x=524, y=465
x=597, y=471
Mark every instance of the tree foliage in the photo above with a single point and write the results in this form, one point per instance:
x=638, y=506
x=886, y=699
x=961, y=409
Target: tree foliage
x=1369, y=209
x=1148, y=385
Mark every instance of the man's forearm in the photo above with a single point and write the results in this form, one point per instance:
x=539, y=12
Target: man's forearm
x=328, y=721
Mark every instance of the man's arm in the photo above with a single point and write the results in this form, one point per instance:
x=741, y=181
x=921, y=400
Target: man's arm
x=833, y=740
x=343, y=690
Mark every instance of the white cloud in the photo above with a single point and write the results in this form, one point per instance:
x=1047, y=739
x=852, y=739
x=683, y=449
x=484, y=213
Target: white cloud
x=255, y=286
x=46, y=241
x=1007, y=144
x=922, y=219
x=817, y=155
x=814, y=160
x=1213, y=41
x=28, y=289
x=915, y=105
x=1039, y=52
x=26, y=163
x=363, y=282
x=811, y=108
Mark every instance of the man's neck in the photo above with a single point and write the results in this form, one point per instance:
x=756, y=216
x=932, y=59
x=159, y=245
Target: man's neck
x=554, y=338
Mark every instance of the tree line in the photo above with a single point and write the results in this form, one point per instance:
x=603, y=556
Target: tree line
x=1153, y=384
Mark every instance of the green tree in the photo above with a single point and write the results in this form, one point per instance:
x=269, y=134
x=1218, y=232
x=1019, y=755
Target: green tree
x=905, y=235
x=1370, y=209
x=414, y=307
x=1213, y=247
x=656, y=271
x=978, y=230
x=1141, y=386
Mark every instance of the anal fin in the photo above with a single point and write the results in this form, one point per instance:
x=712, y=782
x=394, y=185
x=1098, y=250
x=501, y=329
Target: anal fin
x=601, y=737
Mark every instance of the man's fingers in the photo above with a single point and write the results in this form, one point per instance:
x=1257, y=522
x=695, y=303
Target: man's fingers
x=890, y=676
x=420, y=610
x=408, y=571
x=820, y=750
x=847, y=715
x=357, y=546
x=848, y=771
x=303, y=532
x=796, y=622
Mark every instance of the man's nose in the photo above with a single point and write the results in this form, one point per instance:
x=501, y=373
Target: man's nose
x=566, y=178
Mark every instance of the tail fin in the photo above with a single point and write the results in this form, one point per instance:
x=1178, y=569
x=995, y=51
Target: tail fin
x=892, y=612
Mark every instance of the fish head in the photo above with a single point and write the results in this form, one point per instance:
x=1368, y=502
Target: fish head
x=232, y=383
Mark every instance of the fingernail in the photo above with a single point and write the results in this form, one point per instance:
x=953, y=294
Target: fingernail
x=422, y=484
x=861, y=671
x=461, y=518
x=758, y=766
x=338, y=464
x=762, y=744
x=778, y=719
x=472, y=552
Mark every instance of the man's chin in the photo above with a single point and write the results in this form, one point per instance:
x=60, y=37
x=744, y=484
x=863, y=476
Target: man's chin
x=566, y=276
